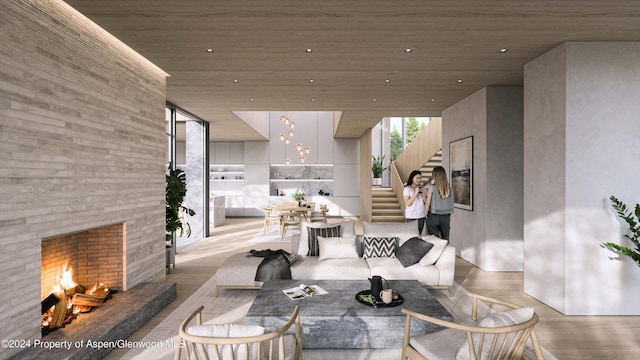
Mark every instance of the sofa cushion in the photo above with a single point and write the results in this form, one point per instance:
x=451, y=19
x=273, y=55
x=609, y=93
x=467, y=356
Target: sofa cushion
x=440, y=344
x=498, y=319
x=392, y=269
x=314, y=233
x=404, y=231
x=412, y=251
x=382, y=246
x=507, y=318
x=300, y=244
x=434, y=254
x=337, y=248
x=311, y=268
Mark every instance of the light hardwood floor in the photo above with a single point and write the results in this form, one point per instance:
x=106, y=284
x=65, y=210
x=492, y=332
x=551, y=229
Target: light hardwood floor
x=566, y=337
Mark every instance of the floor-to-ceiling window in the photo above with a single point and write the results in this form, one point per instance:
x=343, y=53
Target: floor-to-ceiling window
x=402, y=132
x=188, y=150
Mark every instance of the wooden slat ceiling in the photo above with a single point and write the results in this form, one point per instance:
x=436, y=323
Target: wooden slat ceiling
x=357, y=45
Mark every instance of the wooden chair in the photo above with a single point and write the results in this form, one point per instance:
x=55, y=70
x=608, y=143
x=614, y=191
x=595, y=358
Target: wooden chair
x=271, y=217
x=289, y=218
x=500, y=335
x=319, y=216
x=238, y=341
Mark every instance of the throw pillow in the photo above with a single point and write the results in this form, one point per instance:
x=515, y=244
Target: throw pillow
x=337, y=248
x=379, y=247
x=314, y=233
x=300, y=244
x=404, y=231
x=412, y=251
x=434, y=254
x=498, y=319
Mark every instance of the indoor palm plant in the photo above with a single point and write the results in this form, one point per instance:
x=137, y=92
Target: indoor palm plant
x=633, y=235
x=176, y=190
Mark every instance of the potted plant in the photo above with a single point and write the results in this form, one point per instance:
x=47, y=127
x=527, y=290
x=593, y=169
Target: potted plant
x=377, y=168
x=176, y=190
x=632, y=235
x=298, y=195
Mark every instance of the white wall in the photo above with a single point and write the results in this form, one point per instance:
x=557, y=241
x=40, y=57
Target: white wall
x=313, y=129
x=581, y=146
x=491, y=235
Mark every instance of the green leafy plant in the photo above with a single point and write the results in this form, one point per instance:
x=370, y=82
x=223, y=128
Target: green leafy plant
x=298, y=195
x=633, y=235
x=176, y=190
x=377, y=166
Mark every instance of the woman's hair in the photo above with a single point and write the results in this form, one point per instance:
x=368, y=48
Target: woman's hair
x=440, y=179
x=410, y=179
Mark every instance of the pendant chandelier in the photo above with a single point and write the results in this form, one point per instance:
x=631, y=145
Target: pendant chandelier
x=286, y=138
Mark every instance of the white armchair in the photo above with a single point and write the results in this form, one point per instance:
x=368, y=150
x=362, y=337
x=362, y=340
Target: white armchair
x=238, y=341
x=508, y=334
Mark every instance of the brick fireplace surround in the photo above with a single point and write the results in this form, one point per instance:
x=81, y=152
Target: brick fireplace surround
x=82, y=146
x=95, y=255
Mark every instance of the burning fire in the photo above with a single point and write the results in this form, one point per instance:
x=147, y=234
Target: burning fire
x=65, y=277
x=65, y=292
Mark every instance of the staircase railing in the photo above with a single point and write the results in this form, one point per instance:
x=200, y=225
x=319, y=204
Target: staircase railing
x=397, y=185
x=426, y=144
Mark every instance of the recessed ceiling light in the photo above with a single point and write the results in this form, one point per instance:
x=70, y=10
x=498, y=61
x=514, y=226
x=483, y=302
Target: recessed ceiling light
x=313, y=100
x=311, y=81
x=374, y=100
x=309, y=50
x=433, y=100
x=209, y=50
x=459, y=81
x=408, y=50
x=235, y=81
x=387, y=81
x=503, y=50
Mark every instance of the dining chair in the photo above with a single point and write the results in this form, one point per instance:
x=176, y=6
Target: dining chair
x=288, y=219
x=319, y=215
x=271, y=217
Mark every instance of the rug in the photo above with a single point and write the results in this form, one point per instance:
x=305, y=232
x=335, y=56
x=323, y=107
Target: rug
x=274, y=236
x=232, y=305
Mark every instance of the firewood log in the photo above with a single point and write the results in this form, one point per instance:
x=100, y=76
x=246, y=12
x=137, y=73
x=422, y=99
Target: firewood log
x=60, y=311
x=48, y=302
x=87, y=300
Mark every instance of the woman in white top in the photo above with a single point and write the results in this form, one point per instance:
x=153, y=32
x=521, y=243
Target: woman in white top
x=414, y=199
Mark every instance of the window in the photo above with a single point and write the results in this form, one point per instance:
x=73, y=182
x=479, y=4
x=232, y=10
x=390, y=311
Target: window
x=403, y=131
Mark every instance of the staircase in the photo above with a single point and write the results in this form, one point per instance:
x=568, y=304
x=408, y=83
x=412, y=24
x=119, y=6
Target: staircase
x=385, y=206
x=427, y=168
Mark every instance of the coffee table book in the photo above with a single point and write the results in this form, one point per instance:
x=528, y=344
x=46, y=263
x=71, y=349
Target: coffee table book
x=302, y=291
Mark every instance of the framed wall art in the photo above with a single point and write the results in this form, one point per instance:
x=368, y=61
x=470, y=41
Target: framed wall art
x=461, y=163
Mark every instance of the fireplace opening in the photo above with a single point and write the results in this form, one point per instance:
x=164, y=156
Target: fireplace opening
x=80, y=271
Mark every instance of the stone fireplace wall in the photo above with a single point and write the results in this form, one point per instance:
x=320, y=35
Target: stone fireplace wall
x=82, y=145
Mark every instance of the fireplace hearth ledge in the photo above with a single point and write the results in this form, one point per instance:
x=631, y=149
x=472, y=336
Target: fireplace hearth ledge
x=120, y=317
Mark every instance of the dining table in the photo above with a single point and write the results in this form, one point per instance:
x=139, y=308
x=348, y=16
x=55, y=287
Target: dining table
x=301, y=209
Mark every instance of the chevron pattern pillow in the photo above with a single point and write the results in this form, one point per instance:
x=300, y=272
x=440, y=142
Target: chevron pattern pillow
x=379, y=246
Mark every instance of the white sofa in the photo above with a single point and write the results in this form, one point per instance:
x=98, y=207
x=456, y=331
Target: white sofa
x=349, y=256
